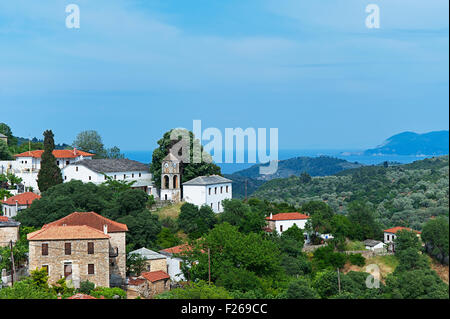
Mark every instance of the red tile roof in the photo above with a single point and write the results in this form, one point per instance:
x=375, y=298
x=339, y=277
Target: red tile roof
x=155, y=275
x=67, y=232
x=91, y=219
x=22, y=199
x=288, y=216
x=135, y=281
x=177, y=249
x=394, y=230
x=57, y=153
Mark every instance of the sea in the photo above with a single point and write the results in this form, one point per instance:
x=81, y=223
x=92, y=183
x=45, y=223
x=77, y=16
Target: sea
x=354, y=156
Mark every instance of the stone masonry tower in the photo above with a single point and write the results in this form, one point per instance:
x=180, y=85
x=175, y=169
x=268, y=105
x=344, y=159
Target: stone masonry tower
x=170, y=179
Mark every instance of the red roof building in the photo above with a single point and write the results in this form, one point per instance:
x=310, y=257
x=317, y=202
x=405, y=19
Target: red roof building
x=91, y=219
x=154, y=276
x=394, y=230
x=287, y=216
x=24, y=199
x=57, y=153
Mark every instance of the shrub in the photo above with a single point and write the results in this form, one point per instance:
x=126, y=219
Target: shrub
x=357, y=259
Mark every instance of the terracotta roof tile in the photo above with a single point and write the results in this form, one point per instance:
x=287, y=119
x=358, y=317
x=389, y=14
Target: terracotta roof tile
x=394, y=230
x=22, y=199
x=177, y=249
x=57, y=153
x=67, y=232
x=155, y=275
x=91, y=219
x=288, y=216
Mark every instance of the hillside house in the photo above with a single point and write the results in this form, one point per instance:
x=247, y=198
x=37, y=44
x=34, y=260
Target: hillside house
x=373, y=245
x=96, y=171
x=11, y=206
x=208, y=190
x=391, y=234
x=174, y=261
x=148, y=284
x=283, y=221
x=9, y=231
x=153, y=260
x=116, y=248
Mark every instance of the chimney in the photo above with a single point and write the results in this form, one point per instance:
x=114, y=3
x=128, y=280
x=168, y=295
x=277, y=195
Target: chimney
x=17, y=205
x=270, y=216
x=105, y=229
x=74, y=151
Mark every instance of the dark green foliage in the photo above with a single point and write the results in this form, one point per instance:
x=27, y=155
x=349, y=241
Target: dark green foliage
x=86, y=287
x=357, y=259
x=320, y=216
x=435, y=234
x=143, y=228
x=300, y=289
x=410, y=259
x=363, y=220
x=326, y=258
x=167, y=239
x=5, y=154
x=50, y=174
x=196, y=290
x=240, y=214
x=196, y=221
x=406, y=239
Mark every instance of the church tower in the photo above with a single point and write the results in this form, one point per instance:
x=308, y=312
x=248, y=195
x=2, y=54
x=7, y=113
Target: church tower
x=170, y=178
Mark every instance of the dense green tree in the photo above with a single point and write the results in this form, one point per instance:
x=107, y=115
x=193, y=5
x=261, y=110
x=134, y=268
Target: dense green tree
x=196, y=221
x=300, y=289
x=320, y=216
x=5, y=154
x=326, y=283
x=363, y=219
x=410, y=259
x=50, y=174
x=435, y=234
x=6, y=130
x=240, y=214
x=167, y=239
x=143, y=228
x=327, y=258
x=188, y=170
x=91, y=142
x=406, y=239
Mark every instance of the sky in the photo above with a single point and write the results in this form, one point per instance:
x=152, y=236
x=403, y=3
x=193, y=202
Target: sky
x=135, y=69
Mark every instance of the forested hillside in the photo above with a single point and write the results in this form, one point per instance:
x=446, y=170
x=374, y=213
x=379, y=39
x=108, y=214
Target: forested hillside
x=403, y=195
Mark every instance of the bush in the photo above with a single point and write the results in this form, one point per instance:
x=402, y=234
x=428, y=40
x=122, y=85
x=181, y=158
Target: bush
x=108, y=293
x=86, y=287
x=357, y=259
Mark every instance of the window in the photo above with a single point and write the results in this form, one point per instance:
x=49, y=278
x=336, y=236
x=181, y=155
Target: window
x=211, y=205
x=91, y=269
x=209, y=191
x=57, y=163
x=90, y=178
x=67, y=248
x=132, y=175
x=227, y=189
x=218, y=206
x=221, y=189
x=76, y=169
x=124, y=176
x=44, y=249
x=90, y=247
x=281, y=228
x=46, y=268
x=115, y=176
x=67, y=162
x=215, y=190
x=140, y=174
x=65, y=178
x=106, y=178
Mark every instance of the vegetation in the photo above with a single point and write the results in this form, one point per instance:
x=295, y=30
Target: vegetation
x=91, y=142
x=50, y=174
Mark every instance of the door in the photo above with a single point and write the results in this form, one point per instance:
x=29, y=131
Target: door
x=68, y=271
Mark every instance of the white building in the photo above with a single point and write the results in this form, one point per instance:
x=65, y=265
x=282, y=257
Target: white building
x=11, y=206
x=173, y=262
x=391, y=234
x=374, y=245
x=96, y=171
x=208, y=190
x=283, y=221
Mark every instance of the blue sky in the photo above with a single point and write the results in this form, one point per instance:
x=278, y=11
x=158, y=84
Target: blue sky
x=312, y=69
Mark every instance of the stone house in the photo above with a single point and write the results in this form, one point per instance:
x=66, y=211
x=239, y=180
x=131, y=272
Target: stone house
x=391, y=234
x=148, y=284
x=9, y=230
x=153, y=260
x=116, y=242
x=77, y=253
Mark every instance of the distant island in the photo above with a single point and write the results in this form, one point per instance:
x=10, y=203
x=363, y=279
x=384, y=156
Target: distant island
x=410, y=143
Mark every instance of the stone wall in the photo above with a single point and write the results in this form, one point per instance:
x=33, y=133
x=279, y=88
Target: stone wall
x=118, y=264
x=7, y=234
x=156, y=264
x=79, y=258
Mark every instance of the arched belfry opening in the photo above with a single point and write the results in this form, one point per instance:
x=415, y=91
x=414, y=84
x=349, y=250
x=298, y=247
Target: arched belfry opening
x=166, y=182
x=175, y=181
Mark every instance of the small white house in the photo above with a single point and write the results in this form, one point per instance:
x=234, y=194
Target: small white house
x=283, y=221
x=391, y=234
x=11, y=206
x=208, y=190
x=96, y=171
x=374, y=245
x=174, y=263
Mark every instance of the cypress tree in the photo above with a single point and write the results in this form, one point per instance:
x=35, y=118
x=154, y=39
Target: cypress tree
x=49, y=174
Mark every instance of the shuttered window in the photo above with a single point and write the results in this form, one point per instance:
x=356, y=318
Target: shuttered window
x=44, y=249
x=91, y=269
x=68, y=248
x=90, y=248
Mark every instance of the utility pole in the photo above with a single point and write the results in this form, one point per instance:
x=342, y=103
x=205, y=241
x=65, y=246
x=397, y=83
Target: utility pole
x=12, y=262
x=339, y=281
x=209, y=267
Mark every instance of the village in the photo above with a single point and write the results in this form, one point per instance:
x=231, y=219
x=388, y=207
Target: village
x=84, y=246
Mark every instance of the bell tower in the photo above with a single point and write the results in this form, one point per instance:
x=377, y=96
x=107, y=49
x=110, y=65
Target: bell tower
x=170, y=178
